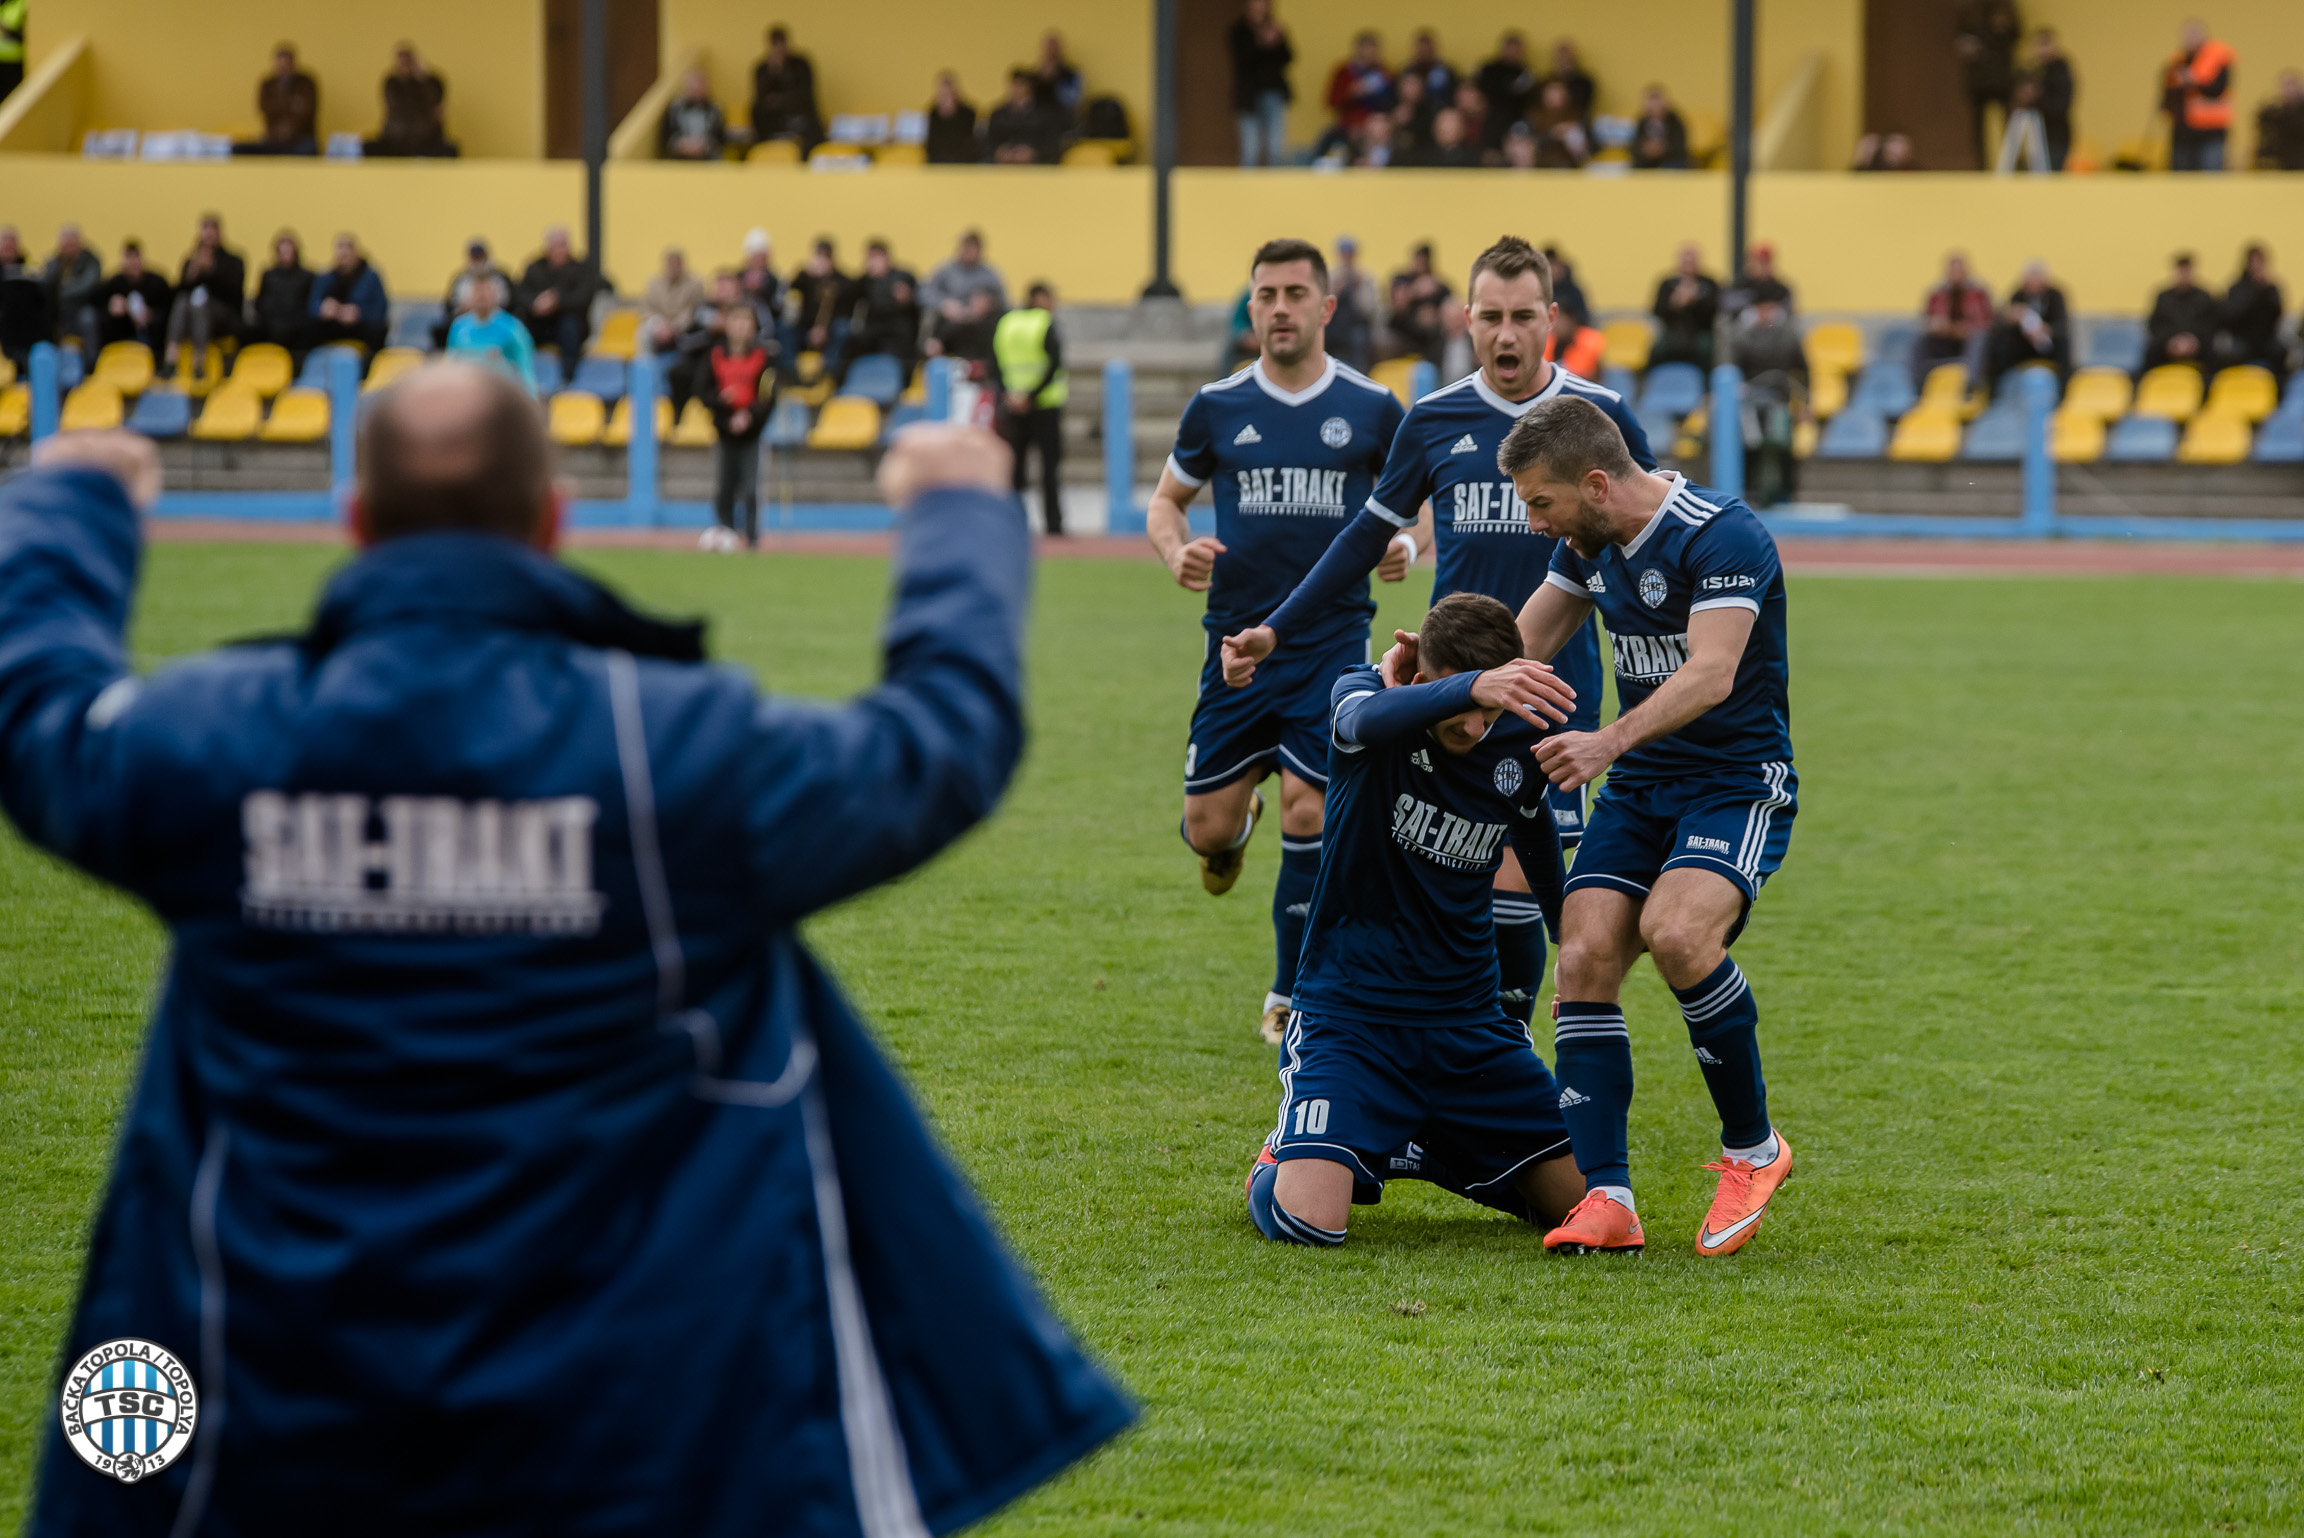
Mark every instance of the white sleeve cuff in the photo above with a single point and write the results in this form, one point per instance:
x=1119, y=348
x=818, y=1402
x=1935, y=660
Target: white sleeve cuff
x=1184, y=475
x=1389, y=516
x=1567, y=585
x=1725, y=603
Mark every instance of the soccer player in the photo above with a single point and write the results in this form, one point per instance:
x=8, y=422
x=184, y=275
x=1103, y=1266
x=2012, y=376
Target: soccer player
x=1698, y=806
x=1396, y=1045
x=1446, y=454
x=1292, y=445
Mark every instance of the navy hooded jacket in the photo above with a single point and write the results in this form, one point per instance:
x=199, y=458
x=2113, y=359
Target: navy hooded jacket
x=500, y=1161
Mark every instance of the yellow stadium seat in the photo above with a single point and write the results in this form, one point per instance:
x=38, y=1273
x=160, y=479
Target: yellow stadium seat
x=234, y=413
x=846, y=422
x=2075, y=437
x=126, y=366
x=808, y=367
x=2216, y=438
x=91, y=405
x=2172, y=391
x=1628, y=343
x=15, y=411
x=2245, y=391
x=618, y=433
x=1123, y=150
x=212, y=370
x=1707, y=137
x=264, y=368
x=7, y=371
x=390, y=364
x=619, y=336
x=916, y=393
x=298, y=416
x=1090, y=155
x=1929, y=433
x=2102, y=393
x=774, y=152
x=1946, y=385
x=813, y=394
x=900, y=155
x=576, y=418
x=695, y=429
x=1804, y=436
x=1834, y=346
x=1398, y=376
x=1827, y=393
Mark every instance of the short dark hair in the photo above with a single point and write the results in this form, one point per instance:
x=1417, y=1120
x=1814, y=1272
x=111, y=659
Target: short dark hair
x=1466, y=633
x=131, y=244
x=1289, y=249
x=1039, y=290
x=876, y=244
x=486, y=472
x=1509, y=258
x=1569, y=437
x=777, y=34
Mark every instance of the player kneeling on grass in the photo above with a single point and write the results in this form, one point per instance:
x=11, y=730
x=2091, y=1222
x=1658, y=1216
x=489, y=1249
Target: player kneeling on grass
x=1398, y=1059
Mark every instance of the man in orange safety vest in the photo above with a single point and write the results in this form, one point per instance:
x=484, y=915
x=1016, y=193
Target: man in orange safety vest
x=2196, y=93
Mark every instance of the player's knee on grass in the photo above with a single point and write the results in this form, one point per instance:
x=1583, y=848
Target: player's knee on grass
x=1316, y=1206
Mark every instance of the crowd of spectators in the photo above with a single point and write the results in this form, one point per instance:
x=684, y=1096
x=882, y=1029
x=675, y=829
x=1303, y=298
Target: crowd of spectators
x=414, y=123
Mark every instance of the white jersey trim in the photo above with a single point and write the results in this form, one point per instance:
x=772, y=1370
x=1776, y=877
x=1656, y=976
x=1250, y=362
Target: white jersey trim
x=1295, y=397
x=1389, y=516
x=1184, y=475
x=1725, y=603
x=1656, y=522
x=1567, y=585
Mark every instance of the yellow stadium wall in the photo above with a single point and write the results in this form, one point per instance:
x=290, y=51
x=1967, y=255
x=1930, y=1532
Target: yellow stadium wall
x=1087, y=232
x=885, y=57
x=2118, y=50
x=412, y=218
x=160, y=64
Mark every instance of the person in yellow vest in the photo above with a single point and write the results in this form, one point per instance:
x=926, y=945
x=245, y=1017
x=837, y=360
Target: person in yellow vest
x=2196, y=93
x=11, y=46
x=1029, y=353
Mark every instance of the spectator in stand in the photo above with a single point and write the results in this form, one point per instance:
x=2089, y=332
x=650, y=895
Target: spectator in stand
x=1759, y=285
x=1885, y=152
x=758, y=280
x=964, y=298
x=2049, y=89
x=1509, y=87
x=952, y=126
x=1351, y=333
x=1569, y=70
x=415, y=110
x=211, y=289
x=1418, y=295
x=1028, y=355
x=668, y=308
x=1561, y=141
x=1456, y=356
x=886, y=317
x=784, y=95
x=1055, y=83
x=2248, y=322
x=1472, y=110
x=737, y=384
x=1687, y=308
x=555, y=297
x=2182, y=326
x=1412, y=113
x=1567, y=296
x=1375, y=147
x=728, y=296
x=694, y=127
x=1768, y=343
x=817, y=311
x=2035, y=326
x=1358, y=88
x=479, y=267
x=1020, y=131
x=1425, y=63
x=288, y=101
x=1985, y=38
x=24, y=318
x=2196, y=93
x=1659, y=136
x=1261, y=55
x=133, y=303
x=1956, y=319
x=2280, y=127
x=1520, y=147
x=348, y=302
x=484, y=332
x=73, y=276
x=281, y=312
x=1451, y=148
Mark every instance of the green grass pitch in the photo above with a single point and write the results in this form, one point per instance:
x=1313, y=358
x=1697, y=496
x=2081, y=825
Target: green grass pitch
x=2028, y=991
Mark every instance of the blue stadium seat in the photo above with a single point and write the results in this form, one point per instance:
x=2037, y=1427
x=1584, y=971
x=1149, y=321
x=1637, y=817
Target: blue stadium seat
x=878, y=377
x=1673, y=389
x=1661, y=430
x=412, y=324
x=1856, y=433
x=71, y=368
x=2295, y=392
x=1885, y=387
x=902, y=417
x=2142, y=440
x=2011, y=387
x=599, y=376
x=315, y=373
x=161, y=413
x=1997, y=436
x=2113, y=341
x=1622, y=380
x=548, y=380
x=2280, y=441
x=787, y=425
x=1892, y=343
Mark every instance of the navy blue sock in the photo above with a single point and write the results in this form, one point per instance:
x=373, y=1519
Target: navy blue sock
x=1519, y=953
x=1724, y=1027
x=1276, y=1222
x=1592, y=1059
x=1291, y=901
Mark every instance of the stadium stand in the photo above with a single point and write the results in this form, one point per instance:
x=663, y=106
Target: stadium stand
x=2141, y=440
x=161, y=413
x=233, y=413
x=92, y=405
x=577, y=418
x=846, y=422
x=300, y=415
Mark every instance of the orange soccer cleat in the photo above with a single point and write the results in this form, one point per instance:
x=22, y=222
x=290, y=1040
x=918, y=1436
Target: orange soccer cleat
x=1742, y=1199
x=1598, y=1222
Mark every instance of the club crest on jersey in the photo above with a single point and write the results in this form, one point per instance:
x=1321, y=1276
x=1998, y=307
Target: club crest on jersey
x=1247, y=434
x=1652, y=589
x=1508, y=776
x=1335, y=432
x=129, y=1409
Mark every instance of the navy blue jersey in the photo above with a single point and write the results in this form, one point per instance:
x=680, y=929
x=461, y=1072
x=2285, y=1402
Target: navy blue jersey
x=1289, y=469
x=1399, y=930
x=1446, y=451
x=1702, y=550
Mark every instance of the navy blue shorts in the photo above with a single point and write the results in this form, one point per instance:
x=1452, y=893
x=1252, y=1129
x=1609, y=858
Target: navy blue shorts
x=1735, y=822
x=1282, y=714
x=1477, y=1097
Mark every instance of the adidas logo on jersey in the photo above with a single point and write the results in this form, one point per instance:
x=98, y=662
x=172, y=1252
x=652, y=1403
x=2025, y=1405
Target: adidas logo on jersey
x=1247, y=434
x=1465, y=445
x=1704, y=1055
x=1569, y=1097
x=1422, y=759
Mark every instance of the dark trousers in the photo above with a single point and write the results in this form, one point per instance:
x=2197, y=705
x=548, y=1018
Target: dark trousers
x=736, y=485
x=319, y=333
x=568, y=331
x=1043, y=428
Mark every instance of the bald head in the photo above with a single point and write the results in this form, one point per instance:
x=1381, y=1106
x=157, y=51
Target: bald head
x=453, y=446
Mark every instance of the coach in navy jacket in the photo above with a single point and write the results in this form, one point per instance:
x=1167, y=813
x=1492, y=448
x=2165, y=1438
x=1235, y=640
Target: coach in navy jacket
x=501, y=1162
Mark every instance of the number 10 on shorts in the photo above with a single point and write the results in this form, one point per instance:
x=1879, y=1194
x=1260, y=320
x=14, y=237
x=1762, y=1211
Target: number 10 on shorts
x=1311, y=1118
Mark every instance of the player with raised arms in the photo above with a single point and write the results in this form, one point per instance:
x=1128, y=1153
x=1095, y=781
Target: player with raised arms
x=1446, y=455
x=1398, y=1058
x=1292, y=444
x=1698, y=806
